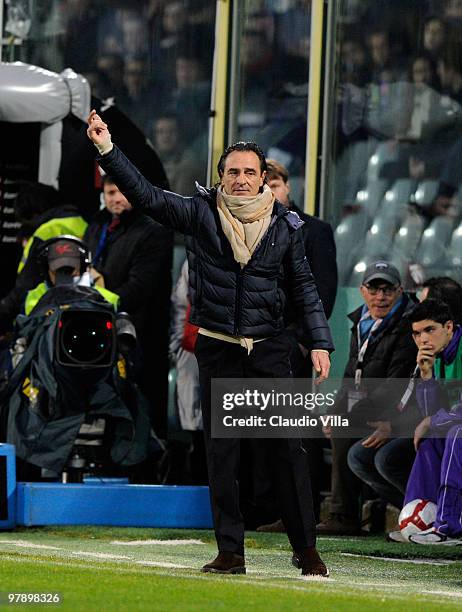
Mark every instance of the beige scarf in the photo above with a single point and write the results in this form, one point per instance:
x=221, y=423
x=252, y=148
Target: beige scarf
x=245, y=221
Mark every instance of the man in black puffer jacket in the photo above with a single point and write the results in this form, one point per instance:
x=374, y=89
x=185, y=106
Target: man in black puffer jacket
x=240, y=240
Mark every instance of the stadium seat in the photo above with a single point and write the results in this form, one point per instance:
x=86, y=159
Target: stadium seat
x=379, y=237
x=455, y=247
x=383, y=154
x=457, y=202
x=357, y=273
x=397, y=197
x=370, y=197
x=425, y=193
x=349, y=238
x=408, y=236
x=433, y=248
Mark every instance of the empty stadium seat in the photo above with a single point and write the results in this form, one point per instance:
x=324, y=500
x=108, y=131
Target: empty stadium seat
x=357, y=273
x=349, y=237
x=379, y=237
x=425, y=193
x=397, y=197
x=408, y=236
x=433, y=248
x=383, y=154
x=370, y=197
x=455, y=247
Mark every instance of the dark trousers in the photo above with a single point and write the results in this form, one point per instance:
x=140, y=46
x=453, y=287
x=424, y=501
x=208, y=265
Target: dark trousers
x=386, y=470
x=302, y=368
x=286, y=457
x=346, y=486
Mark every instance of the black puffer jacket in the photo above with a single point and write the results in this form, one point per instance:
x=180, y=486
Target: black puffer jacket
x=224, y=297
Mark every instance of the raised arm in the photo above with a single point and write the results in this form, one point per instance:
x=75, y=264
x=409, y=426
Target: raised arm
x=170, y=209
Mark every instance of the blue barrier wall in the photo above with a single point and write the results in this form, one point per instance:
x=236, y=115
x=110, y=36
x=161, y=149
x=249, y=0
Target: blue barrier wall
x=113, y=505
x=7, y=486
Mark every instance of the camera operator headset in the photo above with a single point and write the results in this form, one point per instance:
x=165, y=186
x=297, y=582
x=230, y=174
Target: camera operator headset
x=64, y=260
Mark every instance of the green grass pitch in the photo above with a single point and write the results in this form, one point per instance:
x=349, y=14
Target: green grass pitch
x=100, y=568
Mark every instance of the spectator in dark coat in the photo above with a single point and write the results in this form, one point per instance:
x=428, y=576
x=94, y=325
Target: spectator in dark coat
x=317, y=237
x=381, y=348
x=320, y=250
x=132, y=255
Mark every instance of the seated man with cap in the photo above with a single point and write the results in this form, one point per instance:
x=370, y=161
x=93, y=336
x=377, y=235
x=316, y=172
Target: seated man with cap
x=382, y=348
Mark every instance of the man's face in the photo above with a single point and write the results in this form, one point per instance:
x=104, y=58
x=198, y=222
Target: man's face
x=165, y=135
x=242, y=175
x=135, y=76
x=380, y=297
x=187, y=71
x=434, y=34
x=431, y=335
x=115, y=201
x=421, y=72
x=280, y=189
x=379, y=49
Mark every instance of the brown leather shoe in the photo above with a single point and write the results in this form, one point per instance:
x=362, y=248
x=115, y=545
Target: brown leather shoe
x=226, y=563
x=310, y=562
x=337, y=524
x=276, y=527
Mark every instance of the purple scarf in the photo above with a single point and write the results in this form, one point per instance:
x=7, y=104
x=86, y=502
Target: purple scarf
x=449, y=353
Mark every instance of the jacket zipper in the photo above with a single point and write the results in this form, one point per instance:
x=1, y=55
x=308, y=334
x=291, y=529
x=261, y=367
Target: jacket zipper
x=240, y=279
x=425, y=401
x=237, y=318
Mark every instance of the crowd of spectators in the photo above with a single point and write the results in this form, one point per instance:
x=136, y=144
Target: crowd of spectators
x=398, y=131
x=151, y=57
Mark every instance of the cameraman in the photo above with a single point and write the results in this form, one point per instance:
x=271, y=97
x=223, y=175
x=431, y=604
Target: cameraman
x=65, y=261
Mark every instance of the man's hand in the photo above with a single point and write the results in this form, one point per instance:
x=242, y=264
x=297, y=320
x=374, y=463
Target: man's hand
x=96, y=277
x=420, y=431
x=321, y=363
x=379, y=436
x=425, y=361
x=98, y=133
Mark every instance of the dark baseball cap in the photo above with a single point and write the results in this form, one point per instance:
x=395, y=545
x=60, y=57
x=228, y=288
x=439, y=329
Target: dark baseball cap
x=64, y=253
x=382, y=270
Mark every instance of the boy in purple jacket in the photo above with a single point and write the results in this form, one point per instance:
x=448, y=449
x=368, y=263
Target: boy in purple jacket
x=437, y=471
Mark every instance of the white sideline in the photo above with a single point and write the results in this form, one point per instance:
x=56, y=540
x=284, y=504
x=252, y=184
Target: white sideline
x=26, y=544
x=395, y=560
x=256, y=580
x=155, y=542
x=98, y=555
